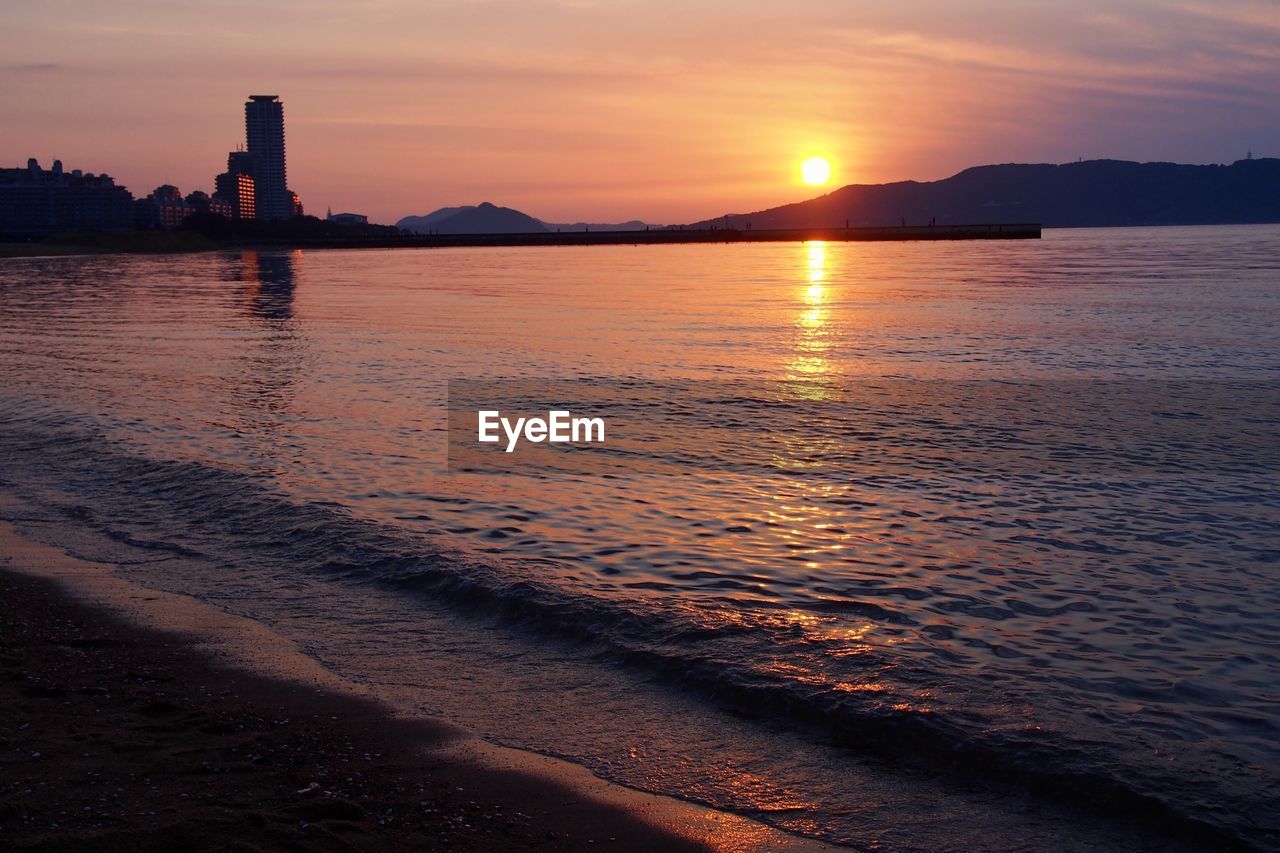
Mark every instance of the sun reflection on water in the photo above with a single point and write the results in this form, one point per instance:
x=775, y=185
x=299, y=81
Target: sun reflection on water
x=809, y=360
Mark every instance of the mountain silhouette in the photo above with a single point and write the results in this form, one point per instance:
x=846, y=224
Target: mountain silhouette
x=1087, y=193
x=632, y=225
x=412, y=223
x=483, y=218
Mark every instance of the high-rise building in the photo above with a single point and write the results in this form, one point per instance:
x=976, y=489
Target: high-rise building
x=237, y=187
x=264, y=132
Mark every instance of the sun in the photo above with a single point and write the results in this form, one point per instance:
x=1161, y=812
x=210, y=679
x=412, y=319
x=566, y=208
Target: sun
x=816, y=171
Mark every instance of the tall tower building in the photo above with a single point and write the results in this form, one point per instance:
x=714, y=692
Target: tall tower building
x=264, y=132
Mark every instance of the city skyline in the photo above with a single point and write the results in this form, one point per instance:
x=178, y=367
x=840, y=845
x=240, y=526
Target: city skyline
x=582, y=111
x=37, y=202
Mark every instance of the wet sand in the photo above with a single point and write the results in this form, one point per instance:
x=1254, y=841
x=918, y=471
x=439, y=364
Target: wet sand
x=119, y=732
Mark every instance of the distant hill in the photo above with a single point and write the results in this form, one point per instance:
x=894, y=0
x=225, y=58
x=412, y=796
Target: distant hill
x=1092, y=192
x=633, y=225
x=483, y=218
x=412, y=223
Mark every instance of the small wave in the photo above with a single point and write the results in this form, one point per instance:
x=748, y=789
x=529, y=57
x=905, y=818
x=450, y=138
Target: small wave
x=195, y=509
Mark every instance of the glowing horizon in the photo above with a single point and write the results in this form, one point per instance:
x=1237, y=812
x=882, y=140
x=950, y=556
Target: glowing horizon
x=580, y=110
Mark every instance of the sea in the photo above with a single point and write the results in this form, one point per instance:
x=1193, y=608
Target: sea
x=901, y=546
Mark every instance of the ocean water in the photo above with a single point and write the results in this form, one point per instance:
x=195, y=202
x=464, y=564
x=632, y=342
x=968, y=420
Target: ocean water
x=916, y=546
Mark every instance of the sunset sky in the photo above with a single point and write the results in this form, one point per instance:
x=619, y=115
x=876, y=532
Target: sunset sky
x=612, y=109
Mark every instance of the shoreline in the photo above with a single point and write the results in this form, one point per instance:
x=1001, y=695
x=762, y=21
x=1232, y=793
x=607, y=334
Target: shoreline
x=130, y=715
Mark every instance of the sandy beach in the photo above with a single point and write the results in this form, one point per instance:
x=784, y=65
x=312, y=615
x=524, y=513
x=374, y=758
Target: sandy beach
x=119, y=734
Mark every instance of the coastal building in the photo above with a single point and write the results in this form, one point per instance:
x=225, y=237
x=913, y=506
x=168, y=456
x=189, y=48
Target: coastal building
x=165, y=209
x=236, y=188
x=202, y=202
x=347, y=218
x=264, y=135
x=35, y=202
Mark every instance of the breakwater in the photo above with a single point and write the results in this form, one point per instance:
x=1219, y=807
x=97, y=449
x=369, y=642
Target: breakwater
x=1015, y=231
